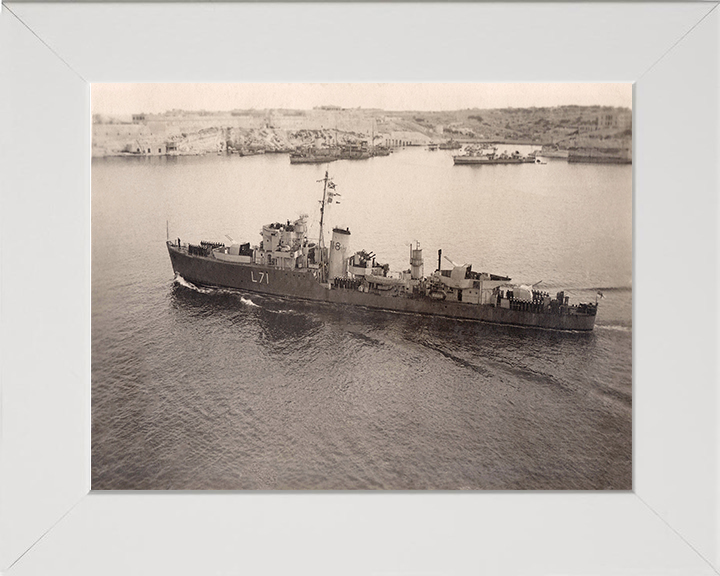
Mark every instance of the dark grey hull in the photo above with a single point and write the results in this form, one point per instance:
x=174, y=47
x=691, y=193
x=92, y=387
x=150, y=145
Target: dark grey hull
x=301, y=284
x=578, y=159
x=474, y=160
x=313, y=159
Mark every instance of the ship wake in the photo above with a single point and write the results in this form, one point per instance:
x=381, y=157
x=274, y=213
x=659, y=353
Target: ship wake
x=180, y=280
x=204, y=290
x=615, y=327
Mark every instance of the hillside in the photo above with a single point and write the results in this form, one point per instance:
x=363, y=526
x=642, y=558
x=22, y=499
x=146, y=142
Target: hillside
x=254, y=131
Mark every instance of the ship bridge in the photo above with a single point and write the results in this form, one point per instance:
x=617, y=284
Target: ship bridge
x=285, y=245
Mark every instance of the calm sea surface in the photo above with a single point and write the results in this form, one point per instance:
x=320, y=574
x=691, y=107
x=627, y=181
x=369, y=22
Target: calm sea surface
x=219, y=389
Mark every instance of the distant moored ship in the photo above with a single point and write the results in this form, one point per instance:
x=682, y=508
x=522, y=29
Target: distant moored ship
x=314, y=156
x=492, y=157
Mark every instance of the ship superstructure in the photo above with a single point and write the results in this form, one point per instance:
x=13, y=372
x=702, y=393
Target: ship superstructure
x=288, y=263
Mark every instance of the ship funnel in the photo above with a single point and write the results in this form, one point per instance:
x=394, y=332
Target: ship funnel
x=416, y=262
x=338, y=253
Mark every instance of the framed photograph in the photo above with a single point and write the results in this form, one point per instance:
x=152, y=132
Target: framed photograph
x=664, y=522
x=330, y=352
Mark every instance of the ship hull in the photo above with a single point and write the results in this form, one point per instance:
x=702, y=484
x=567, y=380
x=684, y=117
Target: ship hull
x=301, y=284
x=312, y=159
x=554, y=154
x=599, y=160
x=462, y=160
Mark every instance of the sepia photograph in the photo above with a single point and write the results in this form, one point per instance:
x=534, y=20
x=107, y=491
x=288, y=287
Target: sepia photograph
x=331, y=289
x=361, y=286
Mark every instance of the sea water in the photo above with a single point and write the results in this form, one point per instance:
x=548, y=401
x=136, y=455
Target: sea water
x=199, y=388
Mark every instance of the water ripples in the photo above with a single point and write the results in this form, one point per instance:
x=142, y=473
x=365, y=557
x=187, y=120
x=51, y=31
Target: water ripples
x=210, y=388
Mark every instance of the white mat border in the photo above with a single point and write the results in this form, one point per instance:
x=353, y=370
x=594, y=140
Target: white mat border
x=676, y=442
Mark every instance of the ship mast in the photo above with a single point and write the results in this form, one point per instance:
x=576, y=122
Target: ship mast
x=322, y=236
x=322, y=208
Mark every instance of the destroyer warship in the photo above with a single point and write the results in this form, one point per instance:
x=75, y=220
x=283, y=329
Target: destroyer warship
x=288, y=263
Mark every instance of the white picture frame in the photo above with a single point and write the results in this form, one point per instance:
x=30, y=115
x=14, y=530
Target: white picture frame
x=50, y=523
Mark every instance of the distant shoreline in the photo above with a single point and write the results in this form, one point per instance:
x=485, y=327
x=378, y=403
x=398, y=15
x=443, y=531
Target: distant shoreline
x=257, y=131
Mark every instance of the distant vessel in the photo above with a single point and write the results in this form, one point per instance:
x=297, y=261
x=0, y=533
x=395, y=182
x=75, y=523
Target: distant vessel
x=589, y=155
x=314, y=156
x=354, y=152
x=287, y=263
x=324, y=155
x=493, y=158
x=450, y=145
x=380, y=151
